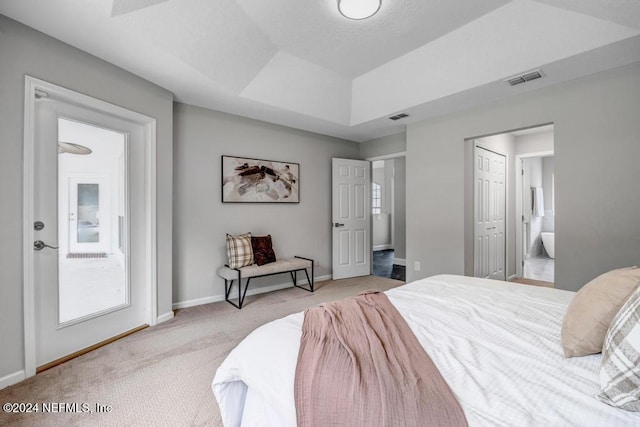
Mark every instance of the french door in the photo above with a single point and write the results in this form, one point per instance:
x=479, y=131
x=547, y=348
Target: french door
x=88, y=201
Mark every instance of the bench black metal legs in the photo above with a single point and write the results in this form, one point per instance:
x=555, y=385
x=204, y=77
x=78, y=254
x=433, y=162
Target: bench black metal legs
x=310, y=281
x=228, y=284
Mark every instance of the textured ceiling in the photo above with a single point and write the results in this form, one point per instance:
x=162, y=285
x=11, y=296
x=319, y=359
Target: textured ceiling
x=301, y=64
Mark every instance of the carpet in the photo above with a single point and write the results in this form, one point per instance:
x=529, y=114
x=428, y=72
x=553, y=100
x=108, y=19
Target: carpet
x=162, y=375
x=532, y=282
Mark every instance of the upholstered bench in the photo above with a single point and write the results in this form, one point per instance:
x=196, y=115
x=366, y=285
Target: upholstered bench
x=291, y=265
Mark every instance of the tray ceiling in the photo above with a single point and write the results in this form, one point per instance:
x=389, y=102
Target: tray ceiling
x=301, y=64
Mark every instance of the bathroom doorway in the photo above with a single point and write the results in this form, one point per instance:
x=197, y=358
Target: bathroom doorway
x=526, y=258
x=535, y=204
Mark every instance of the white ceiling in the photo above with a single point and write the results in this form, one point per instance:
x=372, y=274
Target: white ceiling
x=301, y=64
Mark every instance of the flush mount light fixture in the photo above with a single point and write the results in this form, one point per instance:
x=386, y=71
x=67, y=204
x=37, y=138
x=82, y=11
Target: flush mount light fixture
x=359, y=9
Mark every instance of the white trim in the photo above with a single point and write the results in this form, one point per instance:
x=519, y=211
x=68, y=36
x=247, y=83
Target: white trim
x=149, y=124
x=12, y=379
x=400, y=261
x=519, y=213
x=254, y=291
x=164, y=317
x=27, y=228
x=512, y=277
x=382, y=247
x=150, y=211
x=388, y=156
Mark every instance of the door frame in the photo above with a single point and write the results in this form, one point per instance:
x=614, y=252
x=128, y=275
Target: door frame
x=519, y=213
x=33, y=86
x=391, y=156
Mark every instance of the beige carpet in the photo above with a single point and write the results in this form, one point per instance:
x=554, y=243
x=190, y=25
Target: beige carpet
x=162, y=376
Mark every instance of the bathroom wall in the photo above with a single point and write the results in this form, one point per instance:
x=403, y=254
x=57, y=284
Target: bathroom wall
x=548, y=221
x=532, y=178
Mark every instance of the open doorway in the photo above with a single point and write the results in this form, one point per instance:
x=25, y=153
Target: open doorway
x=388, y=217
x=528, y=252
x=535, y=196
x=92, y=226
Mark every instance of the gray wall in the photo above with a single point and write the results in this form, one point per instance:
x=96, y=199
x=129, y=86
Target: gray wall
x=400, y=216
x=25, y=51
x=201, y=220
x=597, y=144
x=548, y=171
x=392, y=144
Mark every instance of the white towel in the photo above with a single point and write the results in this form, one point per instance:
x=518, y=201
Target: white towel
x=537, y=197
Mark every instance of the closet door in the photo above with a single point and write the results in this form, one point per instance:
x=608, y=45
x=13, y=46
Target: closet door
x=489, y=214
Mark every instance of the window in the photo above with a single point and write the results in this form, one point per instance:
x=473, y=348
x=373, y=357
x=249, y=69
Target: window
x=375, y=199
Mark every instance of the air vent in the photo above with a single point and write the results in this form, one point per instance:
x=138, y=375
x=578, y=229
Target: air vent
x=526, y=77
x=399, y=116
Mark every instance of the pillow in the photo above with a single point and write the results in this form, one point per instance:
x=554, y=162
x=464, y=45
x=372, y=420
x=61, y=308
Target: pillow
x=239, y=250
x=262, y=249
x=620, y=371
x=591, y=310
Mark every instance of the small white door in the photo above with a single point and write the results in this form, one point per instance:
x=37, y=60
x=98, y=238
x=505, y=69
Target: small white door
x=80, y=302
x=351, y=207
x=89, y=228
x=489, y=214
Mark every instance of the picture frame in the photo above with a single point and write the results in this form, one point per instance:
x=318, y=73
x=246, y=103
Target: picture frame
x=249, y=180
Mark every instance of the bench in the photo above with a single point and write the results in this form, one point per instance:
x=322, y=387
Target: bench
x=291, y=265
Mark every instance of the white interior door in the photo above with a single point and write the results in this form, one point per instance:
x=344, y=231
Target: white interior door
x=80, y=302
x=351, y=208
x=489, y=214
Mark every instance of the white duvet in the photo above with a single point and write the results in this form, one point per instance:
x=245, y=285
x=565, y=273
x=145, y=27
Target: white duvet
x=497, y=344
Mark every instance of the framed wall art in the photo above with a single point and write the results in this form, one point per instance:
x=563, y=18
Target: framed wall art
x=247, y=180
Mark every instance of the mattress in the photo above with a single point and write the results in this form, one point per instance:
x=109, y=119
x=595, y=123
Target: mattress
x=497, y=345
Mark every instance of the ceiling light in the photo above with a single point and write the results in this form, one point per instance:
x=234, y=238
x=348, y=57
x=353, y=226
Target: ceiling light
x=359, y=9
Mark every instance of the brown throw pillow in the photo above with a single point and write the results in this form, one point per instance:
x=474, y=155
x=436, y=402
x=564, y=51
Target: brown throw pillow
x=590, y=312
x=262, y=249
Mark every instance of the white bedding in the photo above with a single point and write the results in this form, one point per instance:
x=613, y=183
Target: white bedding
x=497, y=344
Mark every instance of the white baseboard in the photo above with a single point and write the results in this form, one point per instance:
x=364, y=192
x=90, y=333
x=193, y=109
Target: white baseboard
x=381, y=247
x=400, y=261
x=12, y=379
x=164, y=317
x=254, y=291
x=512, y=277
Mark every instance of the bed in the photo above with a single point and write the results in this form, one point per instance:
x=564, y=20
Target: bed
x=497, y=344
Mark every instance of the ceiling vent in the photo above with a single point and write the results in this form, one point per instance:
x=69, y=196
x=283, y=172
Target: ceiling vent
x=526, y=77
x=399, y=116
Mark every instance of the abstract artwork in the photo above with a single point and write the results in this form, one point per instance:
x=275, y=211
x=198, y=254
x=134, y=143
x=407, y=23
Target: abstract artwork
x=259, y=181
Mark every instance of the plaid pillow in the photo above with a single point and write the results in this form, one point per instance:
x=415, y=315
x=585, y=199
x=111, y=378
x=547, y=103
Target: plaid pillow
x=239, y=250
x=620, y=371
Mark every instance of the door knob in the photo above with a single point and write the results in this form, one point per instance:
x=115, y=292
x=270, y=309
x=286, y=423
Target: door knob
x=39, y=245
x=337, y=224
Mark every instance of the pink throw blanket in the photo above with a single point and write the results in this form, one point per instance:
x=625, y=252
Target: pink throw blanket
x=360, y=365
